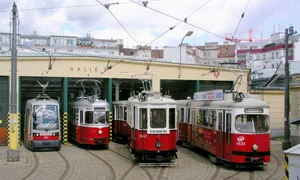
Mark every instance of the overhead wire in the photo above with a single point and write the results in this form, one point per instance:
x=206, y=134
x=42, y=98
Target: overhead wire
x=171, y=28
x=184, y=21
x=107, y=7
x=242, y=16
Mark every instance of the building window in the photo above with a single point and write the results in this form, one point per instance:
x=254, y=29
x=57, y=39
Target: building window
x=258, y=57
x=70, y=41
x=272, y=56
x=273, y=66
x=276, y=54
x=70, y=50
x=264, y=57
x=57, y=41
x=111, y=52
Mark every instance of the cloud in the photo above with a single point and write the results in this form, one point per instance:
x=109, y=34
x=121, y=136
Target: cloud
x=210, y=20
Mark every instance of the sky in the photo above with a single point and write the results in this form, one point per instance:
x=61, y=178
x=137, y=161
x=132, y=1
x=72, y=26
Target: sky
x=157, y=24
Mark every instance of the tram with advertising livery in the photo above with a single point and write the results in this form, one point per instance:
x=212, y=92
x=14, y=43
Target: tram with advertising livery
x=232, y=127
x=89, y=119
x=147, y=122
x=42, y=129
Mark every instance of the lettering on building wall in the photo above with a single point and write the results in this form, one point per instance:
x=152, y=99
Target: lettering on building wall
x=84, y=69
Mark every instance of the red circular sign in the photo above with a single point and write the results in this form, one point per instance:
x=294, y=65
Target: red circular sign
x=216, y=73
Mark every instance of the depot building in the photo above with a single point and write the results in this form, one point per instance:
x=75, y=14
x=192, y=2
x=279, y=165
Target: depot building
x=120, y=77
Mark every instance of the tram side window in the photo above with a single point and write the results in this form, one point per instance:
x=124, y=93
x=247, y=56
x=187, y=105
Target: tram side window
x=189, y=115
x=220, y=117
x=172, y=118
x=182, y=115
x=125, y=113
x=129, y=120
x=143, y=118
x=121, y=113
x=76, y=116
x=107, y=114
x=192, y=115
x=81, y=117
x=204, y=117
x=212, y=118
x=28, y=118
x=228, y=128
x=199, y=121
x=178, y=115
x=116, y=108
x=89, y=117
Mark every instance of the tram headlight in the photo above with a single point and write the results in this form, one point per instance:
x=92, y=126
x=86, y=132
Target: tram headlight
x=158, y=144
x=255, y=147
x=99, y=131
x=36, y=134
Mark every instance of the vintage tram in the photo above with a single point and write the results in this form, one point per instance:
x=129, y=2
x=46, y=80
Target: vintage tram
x=148, y=123
x=89, y=120
x=232, y=127
x=42, y=123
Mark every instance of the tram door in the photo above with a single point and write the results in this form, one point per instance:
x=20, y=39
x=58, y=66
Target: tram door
x=224, y=133
x=189, y=126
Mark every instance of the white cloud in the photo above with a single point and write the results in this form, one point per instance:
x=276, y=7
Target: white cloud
x=211, y=20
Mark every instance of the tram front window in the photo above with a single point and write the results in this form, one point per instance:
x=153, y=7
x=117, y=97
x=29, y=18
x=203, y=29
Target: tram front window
x=252, y=124
x=45, y=117
x=100, y=117
x=158, y=118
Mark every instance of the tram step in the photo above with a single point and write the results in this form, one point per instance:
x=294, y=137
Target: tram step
x=158, y=164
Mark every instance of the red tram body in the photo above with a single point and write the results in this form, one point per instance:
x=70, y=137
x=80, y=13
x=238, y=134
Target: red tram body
x=232, y=127
x=89, y=122
x=147, y=122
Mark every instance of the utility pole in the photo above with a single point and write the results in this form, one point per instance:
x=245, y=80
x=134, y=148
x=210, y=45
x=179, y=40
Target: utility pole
x=286, y=144
x=13, y=154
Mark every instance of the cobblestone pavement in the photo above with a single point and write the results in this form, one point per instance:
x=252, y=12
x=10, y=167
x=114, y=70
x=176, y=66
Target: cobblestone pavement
x=72, y=162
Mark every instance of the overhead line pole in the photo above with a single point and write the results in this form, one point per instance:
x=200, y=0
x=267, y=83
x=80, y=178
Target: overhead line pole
x=13, y=154
x=286, y=144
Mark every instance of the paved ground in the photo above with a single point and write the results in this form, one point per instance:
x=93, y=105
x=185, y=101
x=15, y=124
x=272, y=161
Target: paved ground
x=77, y=163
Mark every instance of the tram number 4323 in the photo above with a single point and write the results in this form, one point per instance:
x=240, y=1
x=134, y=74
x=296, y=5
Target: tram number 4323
x=241, y=143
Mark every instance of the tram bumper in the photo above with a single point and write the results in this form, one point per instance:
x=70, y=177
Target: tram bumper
x=101, y=141
x=51, y=144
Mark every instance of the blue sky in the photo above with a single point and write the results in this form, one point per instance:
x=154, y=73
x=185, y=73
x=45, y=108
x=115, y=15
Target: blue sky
x=210, y=20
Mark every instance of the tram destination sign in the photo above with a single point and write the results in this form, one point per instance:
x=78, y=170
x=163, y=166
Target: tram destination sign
x=215, y=95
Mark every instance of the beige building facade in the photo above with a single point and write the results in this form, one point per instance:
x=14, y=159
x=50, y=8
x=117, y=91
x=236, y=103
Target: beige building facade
x=122, y=67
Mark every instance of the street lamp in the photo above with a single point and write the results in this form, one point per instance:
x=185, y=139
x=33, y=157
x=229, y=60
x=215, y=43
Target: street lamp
x=189, y=33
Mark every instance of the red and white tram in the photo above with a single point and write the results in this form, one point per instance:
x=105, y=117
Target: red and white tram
x=89, y=117
x=42, y=123
x=232, y=127
x=148, y=123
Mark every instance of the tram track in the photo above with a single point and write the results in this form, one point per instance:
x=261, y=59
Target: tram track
x=126, y=173
x=67, y=166
x=35, y=167
x=112, y=171
x=117, y=163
